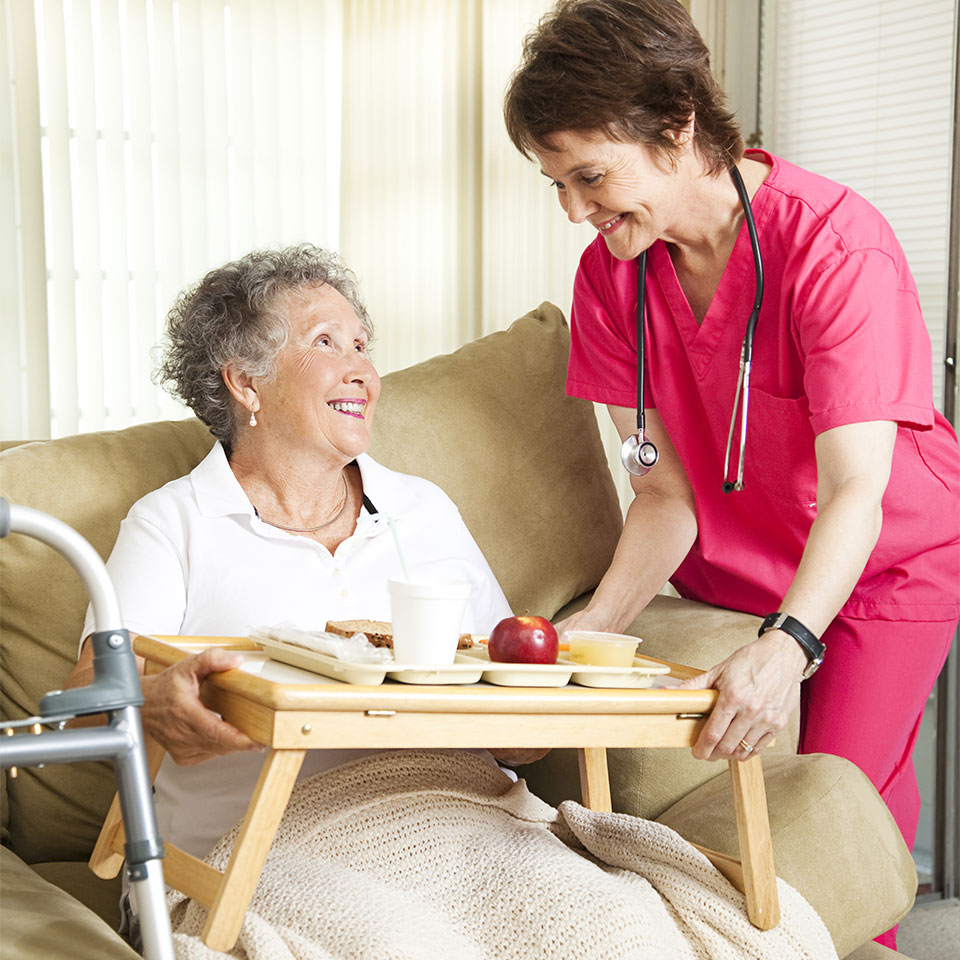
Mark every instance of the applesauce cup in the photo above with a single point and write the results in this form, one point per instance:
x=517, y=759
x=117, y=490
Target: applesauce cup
x=426, y=617
x=602, y=649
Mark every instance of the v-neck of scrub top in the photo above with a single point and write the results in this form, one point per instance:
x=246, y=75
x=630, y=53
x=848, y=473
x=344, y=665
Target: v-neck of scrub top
x=732, y=301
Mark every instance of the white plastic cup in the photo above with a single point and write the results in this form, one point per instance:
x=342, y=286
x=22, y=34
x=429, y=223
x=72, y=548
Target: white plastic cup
x=426, y=617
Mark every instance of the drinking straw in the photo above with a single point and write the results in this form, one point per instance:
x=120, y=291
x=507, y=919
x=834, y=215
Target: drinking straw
x=396, y=540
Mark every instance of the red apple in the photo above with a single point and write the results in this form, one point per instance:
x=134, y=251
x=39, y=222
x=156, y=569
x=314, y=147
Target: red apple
x=523, y=640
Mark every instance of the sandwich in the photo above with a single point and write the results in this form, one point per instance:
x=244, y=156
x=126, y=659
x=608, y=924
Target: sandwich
x=379, y=632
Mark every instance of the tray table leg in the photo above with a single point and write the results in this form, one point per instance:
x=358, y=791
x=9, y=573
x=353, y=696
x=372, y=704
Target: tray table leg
x=756, y=847
x=277, y=777
x=594, y=779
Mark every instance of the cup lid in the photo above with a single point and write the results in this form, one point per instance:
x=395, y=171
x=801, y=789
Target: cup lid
x=601, y=637
x=438, y=588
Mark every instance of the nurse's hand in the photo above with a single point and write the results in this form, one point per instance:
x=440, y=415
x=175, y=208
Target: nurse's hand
x=581, y=620
x=759, y=688
x=175, y=716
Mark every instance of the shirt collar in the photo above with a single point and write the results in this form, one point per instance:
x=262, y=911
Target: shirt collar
x=219, y=494
x=217, y=490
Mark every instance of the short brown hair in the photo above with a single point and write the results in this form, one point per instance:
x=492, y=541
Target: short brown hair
x=633, y=69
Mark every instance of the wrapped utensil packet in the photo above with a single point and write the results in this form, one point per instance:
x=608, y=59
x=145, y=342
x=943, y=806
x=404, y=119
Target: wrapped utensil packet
x=353, y=649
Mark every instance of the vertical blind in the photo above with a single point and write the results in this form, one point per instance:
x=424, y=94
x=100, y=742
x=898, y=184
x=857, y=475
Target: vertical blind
x=403, y=188
x=171, y=137
x=152, y=139
x=454, y=234
x=526, y=235
x=861, y=92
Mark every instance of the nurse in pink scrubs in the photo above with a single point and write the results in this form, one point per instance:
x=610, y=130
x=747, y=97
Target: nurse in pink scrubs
x=848, y=521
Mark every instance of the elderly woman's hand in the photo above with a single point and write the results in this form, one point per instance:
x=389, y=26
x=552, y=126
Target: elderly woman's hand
x=174, y=715
x=759, y=688
x=515, y=757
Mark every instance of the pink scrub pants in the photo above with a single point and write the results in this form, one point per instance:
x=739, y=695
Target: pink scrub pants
x=866, y=703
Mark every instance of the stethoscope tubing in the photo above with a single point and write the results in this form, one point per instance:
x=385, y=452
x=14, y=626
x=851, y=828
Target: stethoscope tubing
x=641, y=340
x=742, y=397
x=757, y=263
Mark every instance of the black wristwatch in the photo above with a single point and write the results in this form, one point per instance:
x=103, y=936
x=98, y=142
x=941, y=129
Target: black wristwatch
x=811, y=643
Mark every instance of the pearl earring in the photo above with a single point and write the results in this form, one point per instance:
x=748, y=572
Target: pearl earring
x=253, y=418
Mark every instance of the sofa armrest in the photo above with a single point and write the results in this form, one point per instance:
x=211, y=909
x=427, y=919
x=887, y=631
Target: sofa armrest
x=833, y=840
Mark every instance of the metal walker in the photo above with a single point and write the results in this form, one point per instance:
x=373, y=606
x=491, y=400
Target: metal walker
x=115, y=691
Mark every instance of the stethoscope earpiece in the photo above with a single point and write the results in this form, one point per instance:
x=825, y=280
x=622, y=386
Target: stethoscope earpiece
x=728, y=487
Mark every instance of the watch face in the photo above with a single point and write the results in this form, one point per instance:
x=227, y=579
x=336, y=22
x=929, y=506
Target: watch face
x=812, y=667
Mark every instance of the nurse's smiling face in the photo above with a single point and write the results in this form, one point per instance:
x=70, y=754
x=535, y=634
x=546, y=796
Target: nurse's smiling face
x=618, y=187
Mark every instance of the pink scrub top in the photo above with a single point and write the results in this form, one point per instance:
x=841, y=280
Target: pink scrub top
x=840, y=339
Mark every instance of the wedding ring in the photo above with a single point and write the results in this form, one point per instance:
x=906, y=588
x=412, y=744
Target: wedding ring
x=746, y=746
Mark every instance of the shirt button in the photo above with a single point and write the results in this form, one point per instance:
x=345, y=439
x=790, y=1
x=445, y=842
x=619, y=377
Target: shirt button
x=344, y=593
x=337, y=571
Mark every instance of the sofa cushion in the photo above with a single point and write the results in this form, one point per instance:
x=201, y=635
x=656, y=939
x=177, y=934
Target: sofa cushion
x=491, y=425
x=40, y=921
x=646, y=782
x=76, y=878
x=833, y=840
x=90, y=482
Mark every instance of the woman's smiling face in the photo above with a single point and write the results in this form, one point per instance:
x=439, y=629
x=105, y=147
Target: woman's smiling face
x=324, y=388
x=618, y=187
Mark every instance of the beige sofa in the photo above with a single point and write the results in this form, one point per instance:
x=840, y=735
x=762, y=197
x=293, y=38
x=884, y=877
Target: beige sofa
x=491, y=425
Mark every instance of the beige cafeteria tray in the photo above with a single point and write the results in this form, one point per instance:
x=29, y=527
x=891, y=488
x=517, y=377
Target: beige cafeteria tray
x=468, y=667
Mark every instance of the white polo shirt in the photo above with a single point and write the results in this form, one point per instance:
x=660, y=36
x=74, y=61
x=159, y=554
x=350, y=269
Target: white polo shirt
x=193, y=558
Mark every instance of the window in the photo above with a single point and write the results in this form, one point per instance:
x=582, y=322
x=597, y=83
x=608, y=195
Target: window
x=153, y=139
x=862, y=92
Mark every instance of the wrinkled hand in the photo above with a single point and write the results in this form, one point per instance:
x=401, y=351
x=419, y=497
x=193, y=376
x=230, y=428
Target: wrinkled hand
x=515, y=757
x=759, y=688
x=175, y=716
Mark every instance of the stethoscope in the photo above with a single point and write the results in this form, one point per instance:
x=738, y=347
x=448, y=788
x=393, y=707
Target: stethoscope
x=638, y=455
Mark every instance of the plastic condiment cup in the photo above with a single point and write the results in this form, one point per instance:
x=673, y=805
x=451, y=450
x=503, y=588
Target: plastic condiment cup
x=426, y=618
x=602, y=649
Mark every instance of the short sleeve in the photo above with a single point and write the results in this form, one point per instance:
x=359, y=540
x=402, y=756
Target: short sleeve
x=866, y=348
x=603, y=349
x=147, y=572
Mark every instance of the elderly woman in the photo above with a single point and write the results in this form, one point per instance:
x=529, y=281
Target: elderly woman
x=834, y=514
x=280, y=521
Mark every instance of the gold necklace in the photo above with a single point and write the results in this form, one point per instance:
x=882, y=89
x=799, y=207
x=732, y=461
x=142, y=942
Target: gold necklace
x=338, y=512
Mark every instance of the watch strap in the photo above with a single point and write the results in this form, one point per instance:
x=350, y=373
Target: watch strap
x=812, y=645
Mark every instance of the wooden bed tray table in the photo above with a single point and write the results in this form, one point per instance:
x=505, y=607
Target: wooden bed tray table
x=290, y=718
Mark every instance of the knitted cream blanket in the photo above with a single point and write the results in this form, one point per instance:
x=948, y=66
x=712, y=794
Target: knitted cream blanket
x=420, y=855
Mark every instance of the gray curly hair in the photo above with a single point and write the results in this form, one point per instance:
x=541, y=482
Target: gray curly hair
x=235, y=315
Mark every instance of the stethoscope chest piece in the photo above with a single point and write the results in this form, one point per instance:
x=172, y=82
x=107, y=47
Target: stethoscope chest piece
x=638, y=455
